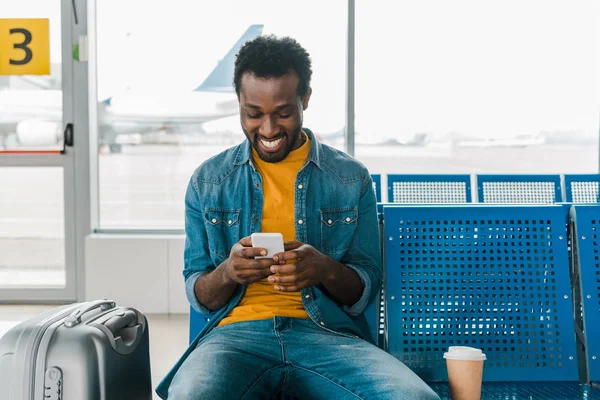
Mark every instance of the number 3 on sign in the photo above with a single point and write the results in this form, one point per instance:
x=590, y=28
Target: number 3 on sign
x=24, y=46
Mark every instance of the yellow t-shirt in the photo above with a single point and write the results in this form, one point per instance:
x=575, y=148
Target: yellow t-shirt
x=261, y=301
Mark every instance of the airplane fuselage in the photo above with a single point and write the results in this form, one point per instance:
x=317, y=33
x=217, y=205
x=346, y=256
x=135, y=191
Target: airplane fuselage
x=131, y=110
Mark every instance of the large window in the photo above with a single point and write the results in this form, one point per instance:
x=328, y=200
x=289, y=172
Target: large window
x=459, y=86
x=475, y=86
x=165, y=101
x=32, y=227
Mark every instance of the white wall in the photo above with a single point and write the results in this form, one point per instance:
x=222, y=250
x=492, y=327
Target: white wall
x=143, y=271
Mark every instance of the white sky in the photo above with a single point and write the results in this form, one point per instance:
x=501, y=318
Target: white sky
x=480, y=67
x=488, y=68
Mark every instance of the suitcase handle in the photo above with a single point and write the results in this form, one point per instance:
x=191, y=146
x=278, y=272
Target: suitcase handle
x=116, y=323
x=125, y=329
x=75, y=317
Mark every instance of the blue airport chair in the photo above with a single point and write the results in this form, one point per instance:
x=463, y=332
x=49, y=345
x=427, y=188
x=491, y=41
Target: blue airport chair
x=584, y=233
x=582, y=188
x=487, y=276
x=377, y=186
x=519, y=189
x=380, y=206
x=197, y=323
x=527, y=391
x=420, y=189
x=374, y=319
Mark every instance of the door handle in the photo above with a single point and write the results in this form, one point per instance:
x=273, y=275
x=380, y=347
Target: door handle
x=67, y=137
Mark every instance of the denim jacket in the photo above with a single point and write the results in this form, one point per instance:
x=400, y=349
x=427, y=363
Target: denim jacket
x=335, y=212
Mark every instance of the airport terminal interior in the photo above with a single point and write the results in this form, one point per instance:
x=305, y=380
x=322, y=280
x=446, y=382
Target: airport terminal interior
x=476, y=119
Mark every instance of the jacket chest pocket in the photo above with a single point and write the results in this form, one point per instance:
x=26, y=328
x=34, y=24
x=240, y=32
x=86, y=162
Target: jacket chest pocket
x=222, y=229
x=337, y=230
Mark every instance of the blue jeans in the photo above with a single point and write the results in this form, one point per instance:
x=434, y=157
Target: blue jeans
x=255, y=359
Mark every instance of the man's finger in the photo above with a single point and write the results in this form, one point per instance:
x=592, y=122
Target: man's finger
x=291, y=288
x=251, y=276
x=246, y=241
x=286, y=269
x=292, y=245
x=284, y=279
x=251, y=252
x=257, y=264
x=286, y=255
x=261, y=274
x=264, y=263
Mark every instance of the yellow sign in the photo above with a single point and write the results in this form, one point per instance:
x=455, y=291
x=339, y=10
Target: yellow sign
x=24, y=46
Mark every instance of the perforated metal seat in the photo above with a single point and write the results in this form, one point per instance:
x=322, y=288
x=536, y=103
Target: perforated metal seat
x=582, y=188
x=527, y=391
x=377, y=186
x=519, y=189
x=429, y=189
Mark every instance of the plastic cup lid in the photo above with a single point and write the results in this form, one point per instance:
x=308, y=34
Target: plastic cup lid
x=464, y=353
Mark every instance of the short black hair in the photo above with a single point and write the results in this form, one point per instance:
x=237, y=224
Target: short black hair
x=270, y=56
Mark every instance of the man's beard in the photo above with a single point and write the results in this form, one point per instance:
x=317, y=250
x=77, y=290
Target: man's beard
x=292, y=139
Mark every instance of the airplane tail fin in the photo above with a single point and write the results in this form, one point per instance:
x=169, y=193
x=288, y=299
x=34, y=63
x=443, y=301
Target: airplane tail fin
x=221, y=78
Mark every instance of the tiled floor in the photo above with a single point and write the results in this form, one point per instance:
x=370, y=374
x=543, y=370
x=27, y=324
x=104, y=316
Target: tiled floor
x=168, y=335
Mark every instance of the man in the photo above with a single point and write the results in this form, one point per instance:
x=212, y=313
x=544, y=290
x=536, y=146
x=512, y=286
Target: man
x=293, y=322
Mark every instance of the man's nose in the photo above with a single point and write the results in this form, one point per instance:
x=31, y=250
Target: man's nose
x=268, y=128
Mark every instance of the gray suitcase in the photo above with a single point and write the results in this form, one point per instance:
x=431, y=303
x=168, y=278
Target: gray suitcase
x=93, y=350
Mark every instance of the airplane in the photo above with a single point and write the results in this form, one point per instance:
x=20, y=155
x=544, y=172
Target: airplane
x=33, y=117
x=519, y=141
x=364, y=138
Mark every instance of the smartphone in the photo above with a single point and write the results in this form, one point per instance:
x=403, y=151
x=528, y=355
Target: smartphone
x=272, y=242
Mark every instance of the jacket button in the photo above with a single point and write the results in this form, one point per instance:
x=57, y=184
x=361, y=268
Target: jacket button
x=255, y=219
x=322, y=323
x=257, y=185
x=329, y=222
x=347, y=219
x=307, y=296
x=300, y=222
x=230, y=222
x=214, y=220
x=300, y=187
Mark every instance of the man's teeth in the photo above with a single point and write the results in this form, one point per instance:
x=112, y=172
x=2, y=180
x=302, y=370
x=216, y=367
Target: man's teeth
x=271, y=144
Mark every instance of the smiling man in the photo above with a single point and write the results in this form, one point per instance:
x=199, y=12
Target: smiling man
x=294, y=322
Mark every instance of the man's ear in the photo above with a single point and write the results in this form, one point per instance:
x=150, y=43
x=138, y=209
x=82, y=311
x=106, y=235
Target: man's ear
x=306, y=99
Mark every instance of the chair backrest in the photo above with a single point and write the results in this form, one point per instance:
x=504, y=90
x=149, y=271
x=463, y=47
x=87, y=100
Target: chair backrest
x=585, y=238
x=197, y=323
x=419, y=189
x=373, y=315
x=485, y=276
x=377, y=186
x=582, y=188
x=519, y=189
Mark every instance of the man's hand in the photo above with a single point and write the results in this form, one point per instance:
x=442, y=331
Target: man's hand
x=310, y=268
x=241, y=266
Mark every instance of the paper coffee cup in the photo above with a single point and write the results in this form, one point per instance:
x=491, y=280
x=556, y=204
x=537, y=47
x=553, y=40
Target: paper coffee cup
x=465, y=372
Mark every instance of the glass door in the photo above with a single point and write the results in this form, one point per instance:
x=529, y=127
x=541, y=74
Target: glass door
x=37, y=196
